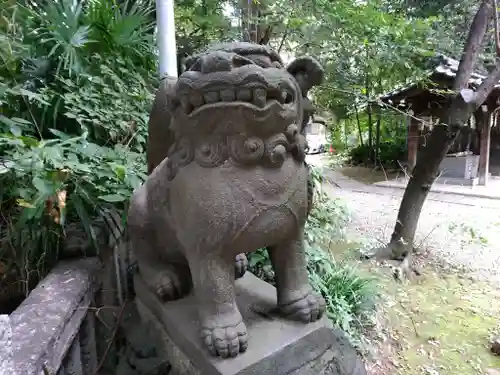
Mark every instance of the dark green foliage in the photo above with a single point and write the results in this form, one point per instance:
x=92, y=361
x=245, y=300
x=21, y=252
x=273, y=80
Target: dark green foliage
x=76, y=86
x=391, y=153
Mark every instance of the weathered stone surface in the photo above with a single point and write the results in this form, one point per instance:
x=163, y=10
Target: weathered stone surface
x=339, y=359
x=279, y=346
x=88, y=346
x=6, y=355
x=72, y=363
x=142, y=353
x=234, y=180
x=45, y=325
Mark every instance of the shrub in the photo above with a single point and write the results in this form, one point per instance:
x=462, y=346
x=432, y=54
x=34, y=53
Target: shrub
x=77, y=81
x=390, y=153
x=349, y=296
x=48, y=184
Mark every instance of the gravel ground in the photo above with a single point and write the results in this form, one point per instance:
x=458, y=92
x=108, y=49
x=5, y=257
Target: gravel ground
x=461, y=231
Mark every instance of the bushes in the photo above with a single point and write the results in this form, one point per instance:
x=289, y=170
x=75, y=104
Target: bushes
x=76, y=86
x=349, y=297
x=390, y=152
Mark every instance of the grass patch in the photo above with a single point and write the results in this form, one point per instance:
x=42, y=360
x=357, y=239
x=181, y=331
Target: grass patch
x=368, y=175
x=444, y=323
x=440, y=323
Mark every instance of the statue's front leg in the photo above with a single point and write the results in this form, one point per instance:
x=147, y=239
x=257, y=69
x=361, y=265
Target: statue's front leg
x=296, y=299
x=222, y=328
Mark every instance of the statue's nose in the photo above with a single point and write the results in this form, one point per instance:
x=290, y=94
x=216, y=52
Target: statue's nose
x=220, y=62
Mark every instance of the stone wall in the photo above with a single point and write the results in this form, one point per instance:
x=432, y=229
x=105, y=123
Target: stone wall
x=53, y=330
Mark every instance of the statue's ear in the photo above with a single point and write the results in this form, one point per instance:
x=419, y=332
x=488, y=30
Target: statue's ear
x=311, y=67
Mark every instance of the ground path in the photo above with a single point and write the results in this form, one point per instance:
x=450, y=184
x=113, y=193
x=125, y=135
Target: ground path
x=460, y=231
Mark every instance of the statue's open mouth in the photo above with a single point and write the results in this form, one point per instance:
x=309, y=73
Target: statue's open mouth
x=251, y=96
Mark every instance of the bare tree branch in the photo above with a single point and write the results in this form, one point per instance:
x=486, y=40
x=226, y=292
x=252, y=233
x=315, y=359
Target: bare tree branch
x=487, y=86
x=473, y=45
x=283, y=38
x=264, y=39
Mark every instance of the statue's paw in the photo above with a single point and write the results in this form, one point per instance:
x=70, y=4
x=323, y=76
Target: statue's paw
x=240, y=265
x=307, y=309
x=226, y=340
x=170, y=285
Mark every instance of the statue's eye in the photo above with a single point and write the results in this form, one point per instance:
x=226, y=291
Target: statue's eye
x=276, y=64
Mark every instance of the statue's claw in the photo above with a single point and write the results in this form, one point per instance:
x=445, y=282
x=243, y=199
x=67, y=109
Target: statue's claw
x=226, y=340
x=171, y=284
x=307, y=309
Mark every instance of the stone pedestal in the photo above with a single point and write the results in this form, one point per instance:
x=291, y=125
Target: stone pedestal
x=276, y=346
x=6, y=357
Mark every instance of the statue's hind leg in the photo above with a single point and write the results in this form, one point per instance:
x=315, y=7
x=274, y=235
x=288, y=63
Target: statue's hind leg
x=296, y=299
x=163, y=269
x=169, y=279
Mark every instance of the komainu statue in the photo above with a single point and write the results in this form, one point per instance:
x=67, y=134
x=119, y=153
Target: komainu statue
x=227, y=177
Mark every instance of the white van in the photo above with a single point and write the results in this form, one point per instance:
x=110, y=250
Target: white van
x=316, y=137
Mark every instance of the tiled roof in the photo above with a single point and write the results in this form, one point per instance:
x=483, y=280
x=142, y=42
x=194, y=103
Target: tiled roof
x=444, y=66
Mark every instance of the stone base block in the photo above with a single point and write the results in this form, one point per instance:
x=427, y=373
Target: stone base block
x=276, y=346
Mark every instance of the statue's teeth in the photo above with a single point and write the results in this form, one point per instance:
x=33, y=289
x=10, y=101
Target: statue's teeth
x=211, y=97
x=244, y=95
x=227, y=95
x=259, y=97
x=196, y=100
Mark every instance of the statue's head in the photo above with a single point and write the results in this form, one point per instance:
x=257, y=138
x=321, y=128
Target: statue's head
x=243, y=86
x=239, y=101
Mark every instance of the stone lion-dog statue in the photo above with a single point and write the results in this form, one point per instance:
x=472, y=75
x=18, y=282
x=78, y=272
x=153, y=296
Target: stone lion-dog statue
x=234, y=180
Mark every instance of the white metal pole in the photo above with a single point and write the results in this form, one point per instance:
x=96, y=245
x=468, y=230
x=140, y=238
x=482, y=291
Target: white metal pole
x=166, y=37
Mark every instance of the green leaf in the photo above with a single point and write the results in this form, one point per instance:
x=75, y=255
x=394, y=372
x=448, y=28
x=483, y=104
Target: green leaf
x=59, y=134
x=21, y=121
x=7, y=121
x=6, y=166
x=32, y=95
x=42, y=185
x=16, y=130
x=112, y=198
x=119, y=170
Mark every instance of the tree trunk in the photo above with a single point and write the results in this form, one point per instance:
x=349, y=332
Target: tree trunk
x=461, y=107
x=345, y=134
x=425, y=172
x=370, y=131
x=369, y=114
x=359, y=125
x=377, y=135
x=253, y=28
x=378, y=124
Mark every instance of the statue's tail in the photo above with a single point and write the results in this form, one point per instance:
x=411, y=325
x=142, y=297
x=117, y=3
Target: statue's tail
x=160, y=137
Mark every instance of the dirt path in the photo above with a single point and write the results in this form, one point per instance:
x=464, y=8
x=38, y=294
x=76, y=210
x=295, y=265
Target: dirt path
x=458, y=231
x=441, y=322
